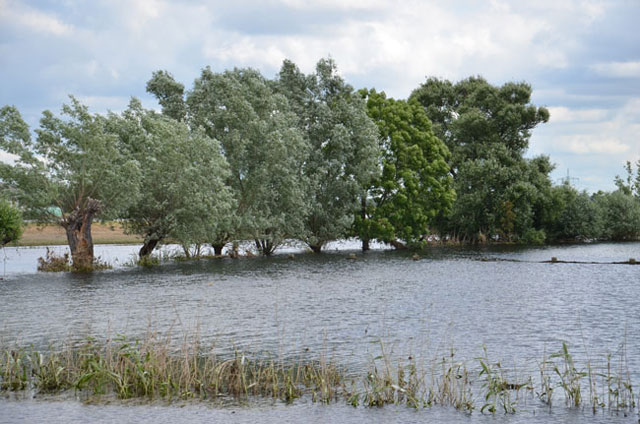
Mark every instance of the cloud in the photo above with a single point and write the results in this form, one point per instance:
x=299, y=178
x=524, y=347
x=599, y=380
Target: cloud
x=565, y=114
x=588, y=144
x=577, y=54
x=33, y=19
x=618, y=69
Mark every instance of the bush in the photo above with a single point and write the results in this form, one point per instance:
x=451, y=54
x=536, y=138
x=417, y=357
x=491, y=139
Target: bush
x=54, y=263
x=533, y=236
x=10, y=223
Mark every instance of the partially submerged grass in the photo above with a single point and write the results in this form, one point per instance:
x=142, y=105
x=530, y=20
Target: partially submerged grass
x=152, y=369
x=52, y=262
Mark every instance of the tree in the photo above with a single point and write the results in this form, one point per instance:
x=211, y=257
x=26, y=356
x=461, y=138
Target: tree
x=472, y=115
x=182, y=190
x=264, y=149
x=576, y=217
x=630, y=184
x=343, y=157
x=74, y=164
x=170, y=94
x=415, y=184
x=10, y=223
x=621, y=215
x=487, y=129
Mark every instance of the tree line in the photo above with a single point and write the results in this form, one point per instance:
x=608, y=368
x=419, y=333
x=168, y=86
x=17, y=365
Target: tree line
x=303, y=157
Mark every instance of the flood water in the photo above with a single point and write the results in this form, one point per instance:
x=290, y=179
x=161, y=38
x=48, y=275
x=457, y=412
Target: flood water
x=502, y=299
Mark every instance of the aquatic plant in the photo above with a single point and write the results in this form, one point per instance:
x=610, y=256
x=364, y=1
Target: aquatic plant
x=52, y=262
x=154, y=368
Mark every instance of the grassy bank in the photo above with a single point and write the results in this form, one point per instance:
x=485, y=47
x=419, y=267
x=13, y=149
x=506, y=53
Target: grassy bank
x=47, y=235
x=150, y=369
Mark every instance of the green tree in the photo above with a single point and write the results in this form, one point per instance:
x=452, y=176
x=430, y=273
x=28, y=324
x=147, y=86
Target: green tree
x=343, y=159
x=502, y=196
x=264, y=149
x=183, y=194
x=10, y=223
x=487, y=130
x=74, y=164
x=577, y=217
x=621, y=215
x=170, y=94
x=630, y=184
x=415, y=184
x=472, y=115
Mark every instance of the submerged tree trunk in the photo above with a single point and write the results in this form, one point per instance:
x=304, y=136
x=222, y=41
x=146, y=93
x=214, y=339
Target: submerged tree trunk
x=234, y=250
x=365, y=244
x=398, y=244
x=266, y=247
x=217, y=248
x=148, y=246
x=316, y=248
x=363, y=216
x=78, y=228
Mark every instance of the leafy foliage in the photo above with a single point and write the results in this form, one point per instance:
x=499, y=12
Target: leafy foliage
x=10, y=223
x=74, y=164
x=487, y=129
x=415, y=185
x=343, y=156
x=264, y=149
x=182, y=190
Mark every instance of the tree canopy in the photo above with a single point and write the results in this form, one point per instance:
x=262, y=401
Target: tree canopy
x=305, y=157
x=265, y=151
x=343, y=152
x=182, y=191
x=10, y=223
x=74, y=164
x=415, y=185
x=487, y=130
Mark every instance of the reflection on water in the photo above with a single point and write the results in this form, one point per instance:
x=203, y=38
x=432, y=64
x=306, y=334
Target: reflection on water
x=337, y=307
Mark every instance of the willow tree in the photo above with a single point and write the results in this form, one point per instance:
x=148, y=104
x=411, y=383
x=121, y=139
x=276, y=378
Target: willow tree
x=182, y=191
x=264, y=149
x=74, y=164
x=415, y=185
x=344, y=151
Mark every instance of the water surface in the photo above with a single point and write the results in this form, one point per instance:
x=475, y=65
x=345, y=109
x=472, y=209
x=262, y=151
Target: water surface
x=345, y=309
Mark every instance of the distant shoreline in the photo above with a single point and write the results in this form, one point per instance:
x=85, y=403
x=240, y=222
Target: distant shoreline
x=51, y=234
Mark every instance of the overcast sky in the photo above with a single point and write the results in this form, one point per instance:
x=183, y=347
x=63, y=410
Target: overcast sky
x=582, y=58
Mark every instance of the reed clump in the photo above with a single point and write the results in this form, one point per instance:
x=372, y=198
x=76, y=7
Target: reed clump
x=152, y=369
x=53, y=262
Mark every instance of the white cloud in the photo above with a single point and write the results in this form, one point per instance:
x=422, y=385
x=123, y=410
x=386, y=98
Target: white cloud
x=565, y=114
x=618, y=69
x=33, y=19
x=589, y=144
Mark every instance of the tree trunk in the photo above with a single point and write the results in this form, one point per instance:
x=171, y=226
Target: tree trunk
x=363, y=216
x=365, y=244
x=217, y=248
x=78, y=228
x=398, y=244
x=234, y=250
x=316, y=248
x=266, y=247
x=148, y=246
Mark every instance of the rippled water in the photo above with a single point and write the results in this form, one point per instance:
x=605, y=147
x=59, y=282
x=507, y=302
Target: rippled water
x=331, y=305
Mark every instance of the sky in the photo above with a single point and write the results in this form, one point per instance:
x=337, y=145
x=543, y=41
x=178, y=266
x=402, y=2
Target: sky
x=581, y=57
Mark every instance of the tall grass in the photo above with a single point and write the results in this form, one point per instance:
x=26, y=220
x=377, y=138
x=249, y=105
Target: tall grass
x=151, y=369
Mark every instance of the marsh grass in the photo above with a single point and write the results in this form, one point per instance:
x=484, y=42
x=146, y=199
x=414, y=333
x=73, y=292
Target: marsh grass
x=154, y=368
x=52, y=262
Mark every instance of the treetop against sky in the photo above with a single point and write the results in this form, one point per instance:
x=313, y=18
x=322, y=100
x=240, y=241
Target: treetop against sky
x=581, y=57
